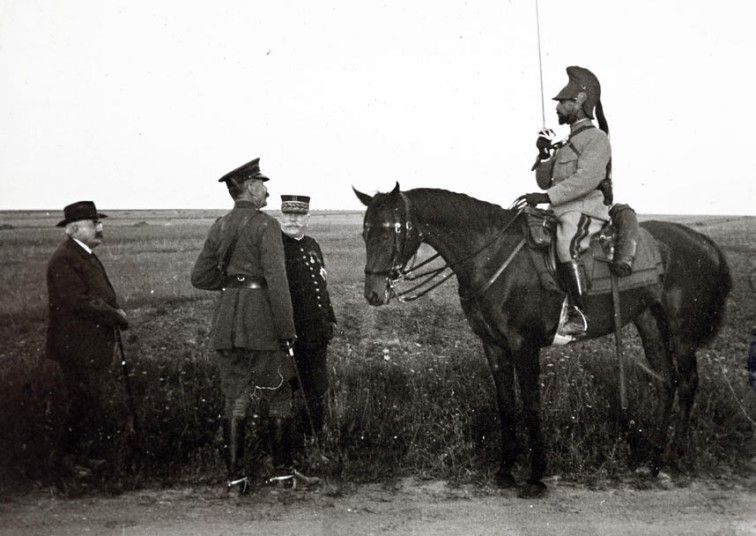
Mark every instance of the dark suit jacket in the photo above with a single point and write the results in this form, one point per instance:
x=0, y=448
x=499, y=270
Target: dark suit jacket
x=83, y=309
x=313, y=313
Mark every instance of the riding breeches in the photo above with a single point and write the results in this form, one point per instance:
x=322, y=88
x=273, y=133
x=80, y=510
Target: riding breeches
x=262, y=376
x=574, y=233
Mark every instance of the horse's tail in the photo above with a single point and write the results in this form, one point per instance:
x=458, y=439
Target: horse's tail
x=718, y=300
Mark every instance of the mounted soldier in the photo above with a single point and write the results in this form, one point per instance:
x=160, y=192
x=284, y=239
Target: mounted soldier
x=576, y=175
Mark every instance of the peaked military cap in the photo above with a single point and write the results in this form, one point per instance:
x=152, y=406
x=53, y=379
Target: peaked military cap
x=248, y=171
x=81, y=210
x=295, y=204
x=581, y=79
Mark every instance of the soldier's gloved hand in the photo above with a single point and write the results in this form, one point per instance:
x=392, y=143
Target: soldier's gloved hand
x=536, y=198
x=544, y=142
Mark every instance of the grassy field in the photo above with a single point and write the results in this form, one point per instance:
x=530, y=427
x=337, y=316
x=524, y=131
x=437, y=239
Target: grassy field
x=411, y=393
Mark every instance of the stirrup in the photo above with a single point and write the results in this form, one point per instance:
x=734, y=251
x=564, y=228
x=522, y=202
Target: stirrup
x=242, y=482
x=571, y=320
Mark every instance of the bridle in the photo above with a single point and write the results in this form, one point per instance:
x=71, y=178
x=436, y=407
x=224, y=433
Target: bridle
x=399, y=271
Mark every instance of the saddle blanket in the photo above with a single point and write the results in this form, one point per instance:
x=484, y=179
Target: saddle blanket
x=647, y=267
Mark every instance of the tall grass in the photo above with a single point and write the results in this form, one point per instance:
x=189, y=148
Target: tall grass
x=410, y=389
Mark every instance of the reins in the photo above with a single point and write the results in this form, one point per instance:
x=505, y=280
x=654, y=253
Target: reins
x=399, y=272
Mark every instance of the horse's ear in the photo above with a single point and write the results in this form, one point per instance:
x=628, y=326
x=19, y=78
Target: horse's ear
x=396, y=189
x=364, y=198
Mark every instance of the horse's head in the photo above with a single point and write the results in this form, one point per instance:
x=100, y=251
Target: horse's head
x=391, y=239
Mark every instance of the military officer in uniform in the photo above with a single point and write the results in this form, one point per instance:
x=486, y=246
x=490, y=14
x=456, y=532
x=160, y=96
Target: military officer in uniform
x=243, y=258
x=84, y=316
x=575, y=178
x=314, y=318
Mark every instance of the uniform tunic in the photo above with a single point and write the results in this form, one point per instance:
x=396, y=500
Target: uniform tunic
x=313, y=313
x=571, y=178
x=252, y=318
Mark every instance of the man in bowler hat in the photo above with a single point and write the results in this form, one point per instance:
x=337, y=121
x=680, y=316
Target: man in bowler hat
x=314, y=318
x=252, y=327
x=84, y=317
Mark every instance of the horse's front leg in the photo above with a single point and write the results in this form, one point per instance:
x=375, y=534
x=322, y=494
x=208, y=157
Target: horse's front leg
x=500, y=362
x=528, y=369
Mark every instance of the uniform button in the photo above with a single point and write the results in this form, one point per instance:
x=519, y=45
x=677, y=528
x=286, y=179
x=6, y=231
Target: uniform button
x=320, y=306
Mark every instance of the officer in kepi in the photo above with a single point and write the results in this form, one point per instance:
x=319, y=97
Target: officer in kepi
x=314, y=318
x=576, y=175
x=84, y=319
x=252, y=327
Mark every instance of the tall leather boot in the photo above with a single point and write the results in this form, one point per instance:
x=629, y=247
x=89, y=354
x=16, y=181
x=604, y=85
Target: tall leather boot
x=574, y=279
x=281, y=445
x=237, y=474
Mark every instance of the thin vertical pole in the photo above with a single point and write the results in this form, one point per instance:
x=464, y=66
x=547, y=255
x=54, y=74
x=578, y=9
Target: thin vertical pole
x=540, y=66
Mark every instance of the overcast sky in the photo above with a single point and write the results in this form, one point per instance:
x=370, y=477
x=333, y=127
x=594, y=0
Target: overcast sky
x=146, y=103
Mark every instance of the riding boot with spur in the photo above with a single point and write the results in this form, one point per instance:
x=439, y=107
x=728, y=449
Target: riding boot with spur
x=574, y=279
x=281, y=449
x=237, y=474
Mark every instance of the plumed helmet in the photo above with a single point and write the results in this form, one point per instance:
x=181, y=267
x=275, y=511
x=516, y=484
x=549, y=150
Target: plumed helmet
x=581, y=79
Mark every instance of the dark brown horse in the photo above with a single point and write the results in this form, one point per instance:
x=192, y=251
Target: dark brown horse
x=515, y=317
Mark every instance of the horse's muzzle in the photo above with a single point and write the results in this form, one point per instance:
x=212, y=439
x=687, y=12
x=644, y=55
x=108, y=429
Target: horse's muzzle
x=376, y=290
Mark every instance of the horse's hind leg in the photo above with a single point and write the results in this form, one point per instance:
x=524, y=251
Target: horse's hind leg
x=500, y=362
x=654, y=333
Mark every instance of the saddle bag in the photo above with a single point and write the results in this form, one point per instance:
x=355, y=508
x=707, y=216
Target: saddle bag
x=626, y=234
x=540, y=226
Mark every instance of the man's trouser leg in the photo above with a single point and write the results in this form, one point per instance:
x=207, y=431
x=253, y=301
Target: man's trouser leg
x=573, y=237
x=314, y=373
x=82, y=437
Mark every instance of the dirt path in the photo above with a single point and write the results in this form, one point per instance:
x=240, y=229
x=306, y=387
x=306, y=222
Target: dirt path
x=409, y=507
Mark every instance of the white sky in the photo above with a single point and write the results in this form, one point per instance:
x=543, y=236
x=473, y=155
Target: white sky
x=146, y=103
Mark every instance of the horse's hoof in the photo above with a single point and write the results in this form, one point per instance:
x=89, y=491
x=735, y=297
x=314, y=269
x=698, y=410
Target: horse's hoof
x=533, y=490
x=505, y=480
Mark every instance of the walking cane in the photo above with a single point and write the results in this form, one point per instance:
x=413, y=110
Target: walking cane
x=127, y=385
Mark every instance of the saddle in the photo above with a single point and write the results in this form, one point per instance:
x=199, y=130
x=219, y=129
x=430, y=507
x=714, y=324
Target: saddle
x=620, y=236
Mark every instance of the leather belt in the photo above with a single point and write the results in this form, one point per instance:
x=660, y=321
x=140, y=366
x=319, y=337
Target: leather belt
x=244, y=281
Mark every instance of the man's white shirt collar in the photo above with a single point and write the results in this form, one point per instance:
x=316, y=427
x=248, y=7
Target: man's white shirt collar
x=83, y=245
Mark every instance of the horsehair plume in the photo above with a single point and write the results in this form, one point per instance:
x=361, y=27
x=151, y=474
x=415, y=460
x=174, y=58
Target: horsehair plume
x=603, y=125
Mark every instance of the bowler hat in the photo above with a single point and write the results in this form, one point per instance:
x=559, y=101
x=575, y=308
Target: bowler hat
x=81, y=210
x=248, y=171
x=581, y=80
x=295, y=204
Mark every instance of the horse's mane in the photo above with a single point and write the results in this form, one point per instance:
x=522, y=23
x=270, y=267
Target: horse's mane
x=443, y=206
